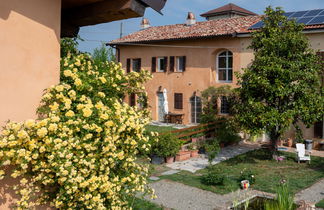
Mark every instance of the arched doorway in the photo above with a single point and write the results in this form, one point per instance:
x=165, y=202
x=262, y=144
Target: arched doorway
x=196, y=109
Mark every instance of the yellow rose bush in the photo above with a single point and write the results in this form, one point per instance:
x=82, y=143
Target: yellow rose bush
x=81, y=153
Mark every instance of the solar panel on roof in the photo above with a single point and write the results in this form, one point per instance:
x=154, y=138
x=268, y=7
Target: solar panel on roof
x=317, y=20
x=309, y=17
x=313, y=12
x=299, y=14
x=304, y=20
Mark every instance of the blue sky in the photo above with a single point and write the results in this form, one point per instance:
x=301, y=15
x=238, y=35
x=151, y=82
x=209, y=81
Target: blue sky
x=176, y=11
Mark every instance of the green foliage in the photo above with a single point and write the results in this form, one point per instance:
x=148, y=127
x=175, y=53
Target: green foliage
x=247, y=174
x=282, y=85
x=103, y=54
x=210, y=98
x=212, y=149
x=213, y=177
x=167, y=145
x=227, y=131
x=268, y=172
x=69, y=46
x=320, y=204
x=284, y=200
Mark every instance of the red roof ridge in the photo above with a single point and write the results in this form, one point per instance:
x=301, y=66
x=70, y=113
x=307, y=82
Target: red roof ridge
x=227, y=8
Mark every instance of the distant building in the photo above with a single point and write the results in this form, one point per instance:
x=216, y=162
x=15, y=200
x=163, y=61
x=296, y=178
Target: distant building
x=185, y=59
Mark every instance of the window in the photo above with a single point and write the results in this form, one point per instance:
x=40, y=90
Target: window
x=178, y=101
x=225, y=66
x=196, y=109
x=180, y=64
x=162, y=64
x=136, y=65
x=133, y=65
x=224, y=105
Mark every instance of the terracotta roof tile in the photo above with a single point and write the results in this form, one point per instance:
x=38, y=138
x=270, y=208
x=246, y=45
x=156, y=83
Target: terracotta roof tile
x=200, y=29
x=212, y=28
x=228, y=8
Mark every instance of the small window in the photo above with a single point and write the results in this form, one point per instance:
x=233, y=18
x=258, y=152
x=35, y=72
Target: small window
x=224, y=105
x=178, y=101
x=225, y=66
x=136, y=64
x=180, y=64
x=162, y=64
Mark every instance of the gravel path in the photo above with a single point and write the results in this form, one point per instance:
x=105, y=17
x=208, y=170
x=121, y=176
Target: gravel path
x=313, y=194
x=182, y=197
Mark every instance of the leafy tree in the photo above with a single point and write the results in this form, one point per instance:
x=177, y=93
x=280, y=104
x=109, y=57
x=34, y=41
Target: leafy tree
x=282, y=86
x=103, y=54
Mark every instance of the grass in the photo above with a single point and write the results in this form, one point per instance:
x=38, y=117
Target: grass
x=268, y=173
x=159, y=129
x=320, y=204
x=141, y=204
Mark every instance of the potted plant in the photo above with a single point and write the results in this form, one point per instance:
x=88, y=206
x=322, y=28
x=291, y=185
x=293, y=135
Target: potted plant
x=167, y=147
x=193, y=150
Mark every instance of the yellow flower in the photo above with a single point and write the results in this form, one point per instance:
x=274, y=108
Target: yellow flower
x=59, y=88
x=29, y=123
x=101, y=94
x=22, y=134
x=68, y=73
x=87, y=112
x=42, y=132
x=52, y=127
x=102, y=79
x=54, y=106
x=78, y=82
x=70, y=113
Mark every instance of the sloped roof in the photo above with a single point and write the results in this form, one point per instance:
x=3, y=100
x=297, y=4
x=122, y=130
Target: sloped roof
x=212, y=28
x=226, y=9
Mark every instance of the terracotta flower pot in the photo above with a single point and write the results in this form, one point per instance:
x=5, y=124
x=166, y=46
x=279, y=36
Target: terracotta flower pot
x=183, y=155
x=194, y=153
x=169, y=160
x=194, y=140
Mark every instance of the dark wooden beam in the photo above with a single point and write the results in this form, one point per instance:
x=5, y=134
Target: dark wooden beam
x=100, y=12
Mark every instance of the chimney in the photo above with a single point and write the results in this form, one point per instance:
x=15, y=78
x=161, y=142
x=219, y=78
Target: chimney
x=191, y=19
x=145, y=23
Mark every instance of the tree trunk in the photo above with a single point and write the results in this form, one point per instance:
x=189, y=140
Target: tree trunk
x=274, y=138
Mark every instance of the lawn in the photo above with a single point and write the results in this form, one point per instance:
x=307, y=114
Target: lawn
x=159, y=129
x=268, y=173
x=320, y=204
x=141, y=204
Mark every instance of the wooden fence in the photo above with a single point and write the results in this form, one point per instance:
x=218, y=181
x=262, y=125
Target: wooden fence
x=186, y=133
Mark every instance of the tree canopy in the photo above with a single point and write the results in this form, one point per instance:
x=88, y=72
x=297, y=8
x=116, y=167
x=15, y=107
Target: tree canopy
x=282, y=86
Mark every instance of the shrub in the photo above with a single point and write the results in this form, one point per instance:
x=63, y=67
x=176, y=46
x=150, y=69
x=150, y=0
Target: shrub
x=213, y=177
x=247, y=174
x=227, y=131
x=212, y=149
x=168, y=145
x=82, y=153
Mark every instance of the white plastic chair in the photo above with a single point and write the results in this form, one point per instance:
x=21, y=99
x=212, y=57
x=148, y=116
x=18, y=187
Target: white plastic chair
x=302, y=154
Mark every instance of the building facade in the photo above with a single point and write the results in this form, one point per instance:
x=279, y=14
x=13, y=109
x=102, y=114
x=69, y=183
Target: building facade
x=187, y=59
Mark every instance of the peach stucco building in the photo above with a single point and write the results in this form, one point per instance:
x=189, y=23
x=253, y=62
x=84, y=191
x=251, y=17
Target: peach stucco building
x=30, y=51
x=186, y=59
x=30, y=44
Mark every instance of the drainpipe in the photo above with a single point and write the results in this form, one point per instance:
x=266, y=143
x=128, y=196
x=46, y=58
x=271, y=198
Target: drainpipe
x=117, y=51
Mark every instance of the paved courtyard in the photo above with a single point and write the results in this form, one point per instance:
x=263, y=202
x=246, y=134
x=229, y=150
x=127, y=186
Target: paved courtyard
x=195, y=164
